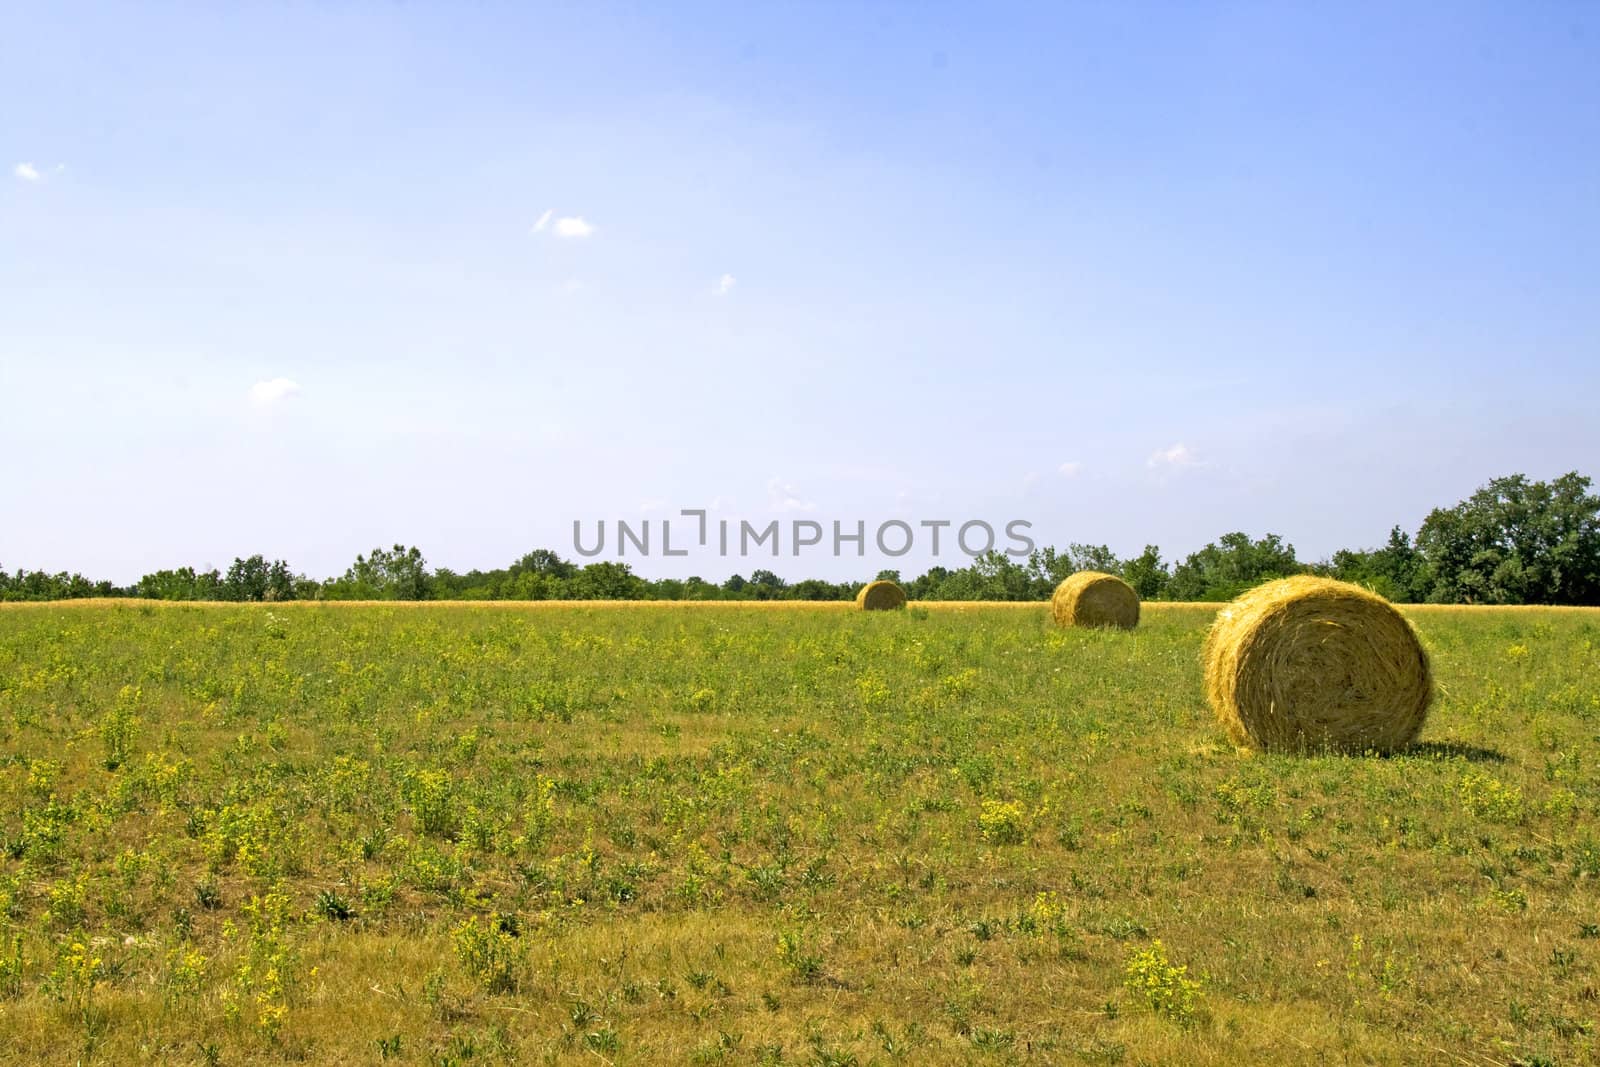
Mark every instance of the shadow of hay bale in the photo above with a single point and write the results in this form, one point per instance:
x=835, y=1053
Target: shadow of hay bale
x=1450, y=750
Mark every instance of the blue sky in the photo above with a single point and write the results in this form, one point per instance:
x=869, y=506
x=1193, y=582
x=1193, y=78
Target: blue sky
x=272, y=279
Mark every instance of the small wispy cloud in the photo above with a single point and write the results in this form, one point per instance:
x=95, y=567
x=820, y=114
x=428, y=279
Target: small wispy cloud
x=725, y=285
x=566, y=226
x=1070, y=469
x=1175, y=458
x=27, y=172
x=273, y=391
x=573, y=227
x=785, y=497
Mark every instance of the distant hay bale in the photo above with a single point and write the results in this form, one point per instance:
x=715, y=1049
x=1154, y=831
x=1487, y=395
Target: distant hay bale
x=881, y=595
x=1310, y=665
x=1092, y=598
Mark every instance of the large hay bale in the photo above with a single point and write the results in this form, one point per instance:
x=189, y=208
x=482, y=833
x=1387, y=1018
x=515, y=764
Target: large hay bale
x=1310, y=665
x=1093, y=598
x=881, y=595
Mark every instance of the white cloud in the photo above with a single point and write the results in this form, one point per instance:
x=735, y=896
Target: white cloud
x=573, y=227
x=568, y=226
x=1070, y=469
x=725, y=284
x=1178, y=456
x=266, y=394
x=27, y=172
x=785, y=497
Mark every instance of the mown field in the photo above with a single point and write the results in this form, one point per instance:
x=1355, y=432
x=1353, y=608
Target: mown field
x=745, y=834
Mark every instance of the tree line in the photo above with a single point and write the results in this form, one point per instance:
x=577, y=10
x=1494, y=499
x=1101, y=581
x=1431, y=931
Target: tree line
x=1514, y=541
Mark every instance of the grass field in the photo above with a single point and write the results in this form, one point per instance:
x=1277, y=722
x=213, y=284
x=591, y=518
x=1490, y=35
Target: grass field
x=742, y=834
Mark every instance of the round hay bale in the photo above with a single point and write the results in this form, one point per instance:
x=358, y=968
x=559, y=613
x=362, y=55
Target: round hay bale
x=882, y=595
x=1310, y=664
x=1092, y=598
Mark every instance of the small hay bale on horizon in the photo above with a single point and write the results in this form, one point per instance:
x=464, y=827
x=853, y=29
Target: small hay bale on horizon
x=1310, y=664
x=1094, y=598
x=881, y=595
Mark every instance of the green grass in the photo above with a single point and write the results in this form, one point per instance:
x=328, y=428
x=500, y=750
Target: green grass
x=742, y=834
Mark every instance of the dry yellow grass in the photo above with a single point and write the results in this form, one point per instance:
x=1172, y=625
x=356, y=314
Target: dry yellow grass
x=770, y=832
x=756, y=605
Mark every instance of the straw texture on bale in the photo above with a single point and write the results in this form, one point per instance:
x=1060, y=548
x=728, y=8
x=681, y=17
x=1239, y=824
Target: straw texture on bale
x=1310, y=664
x=1093, y=598
x=881, y=595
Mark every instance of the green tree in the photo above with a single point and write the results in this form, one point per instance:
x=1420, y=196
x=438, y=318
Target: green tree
x=41, y=585
x=1093, y=558
x=399, y=573
x=665, y=589
x=529, y=585
x=180, y=584
x=992, y=576
x=607, y=580
x=764, y=585
x=1396, y=571
x=256, y=579
x=1516, y=541
x=1230, y=565
x=1047, y=569
x=926, y=586
x=544, y=561
x=1147, y=574
x=697, y=588
x=818, y=589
